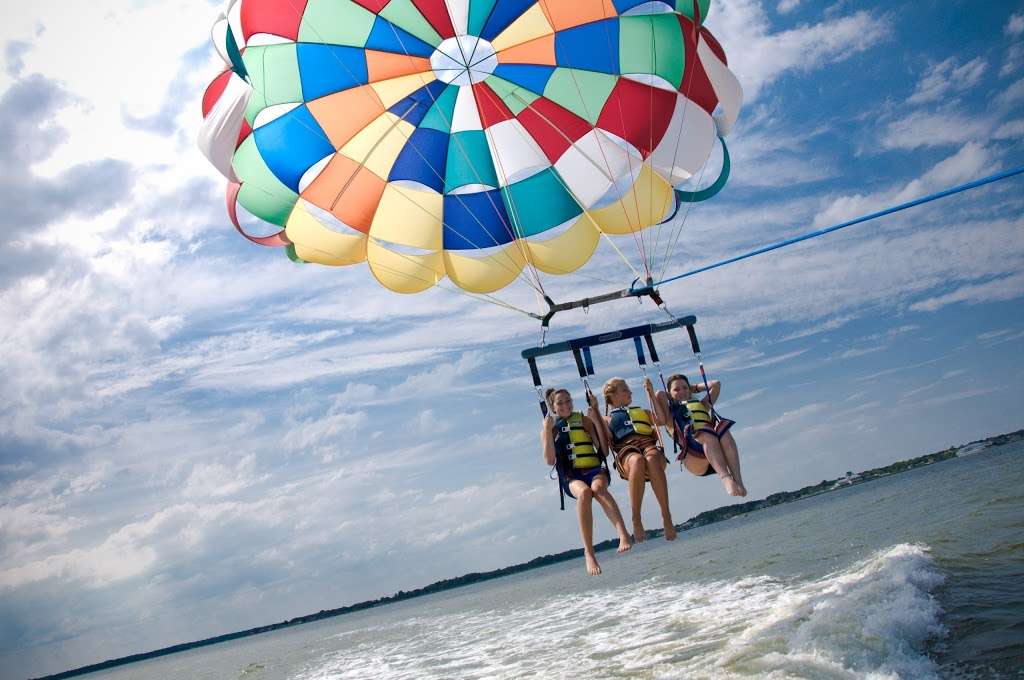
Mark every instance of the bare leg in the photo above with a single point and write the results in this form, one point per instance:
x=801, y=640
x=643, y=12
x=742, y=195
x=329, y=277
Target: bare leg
x=637, y=470
x=601, y=494
x=659, y=485
x=585, y=514
x=713, y=452
x=732, y=456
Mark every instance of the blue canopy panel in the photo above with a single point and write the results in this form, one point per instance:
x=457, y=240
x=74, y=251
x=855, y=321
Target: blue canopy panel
x=291, y=144
x=504, y=13
x=476, y=220
x=529, y=76
x=591, y=47
x=623, y=6
x=386, y=37
x=326, y=69
x=422, y=159
x=413, y=109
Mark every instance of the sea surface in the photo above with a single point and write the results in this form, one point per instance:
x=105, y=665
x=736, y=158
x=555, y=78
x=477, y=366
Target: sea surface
x=917, y=575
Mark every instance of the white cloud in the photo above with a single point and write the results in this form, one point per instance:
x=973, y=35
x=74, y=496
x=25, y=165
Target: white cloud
x=860, y=351
x=1013, y=129
x=945, y=77
x=967, y=163
x=792, y=419
x=927, y=128
x=1015, y=25
x=1002, y=288
x=1013, y=93
x=786, y=6
x=1013, y=59
x=759, y=57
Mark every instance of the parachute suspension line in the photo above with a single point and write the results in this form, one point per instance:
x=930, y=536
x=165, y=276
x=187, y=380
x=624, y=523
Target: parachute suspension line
x=673, y=240
x=521, y=132
x=849, y=223
x=517, y=233
x=571, y=193
x=511, y=268
x=687, y=66
x=537, y=284
x=517, y=226
x=612, y=178
x=636, y=232
x=650, y=144
x=480, y=297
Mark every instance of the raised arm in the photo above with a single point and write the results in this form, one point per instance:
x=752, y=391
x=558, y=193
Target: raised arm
x=596, y=425
x=714, y=389
x=604, y=432
x=547, y=439
x=662, y=412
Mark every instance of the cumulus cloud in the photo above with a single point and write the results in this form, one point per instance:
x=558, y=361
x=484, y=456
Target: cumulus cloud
x=28, y=135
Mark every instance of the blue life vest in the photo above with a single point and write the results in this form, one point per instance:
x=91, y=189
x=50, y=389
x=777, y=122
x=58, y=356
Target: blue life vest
x=626, y=421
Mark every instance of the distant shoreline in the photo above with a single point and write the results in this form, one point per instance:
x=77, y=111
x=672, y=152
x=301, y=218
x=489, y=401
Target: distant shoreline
x=703, y=519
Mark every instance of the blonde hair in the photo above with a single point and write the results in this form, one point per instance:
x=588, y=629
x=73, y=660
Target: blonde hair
x=607, y=390
x=552, y=392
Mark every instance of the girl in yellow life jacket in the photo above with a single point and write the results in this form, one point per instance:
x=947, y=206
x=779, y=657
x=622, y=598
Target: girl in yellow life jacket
x=575, y=445
x=638, y=457
x=707, y=446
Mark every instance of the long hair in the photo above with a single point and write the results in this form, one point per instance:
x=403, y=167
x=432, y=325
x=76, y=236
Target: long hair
x=607, y=390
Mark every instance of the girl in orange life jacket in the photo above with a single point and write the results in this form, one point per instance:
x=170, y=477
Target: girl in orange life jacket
x=573, y=442
x=707, y=444
x=638, y=457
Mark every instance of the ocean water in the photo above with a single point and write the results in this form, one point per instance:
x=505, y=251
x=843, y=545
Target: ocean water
x=918, y=575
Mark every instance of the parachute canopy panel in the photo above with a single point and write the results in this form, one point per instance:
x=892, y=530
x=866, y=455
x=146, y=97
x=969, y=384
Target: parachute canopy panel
x=463, y=139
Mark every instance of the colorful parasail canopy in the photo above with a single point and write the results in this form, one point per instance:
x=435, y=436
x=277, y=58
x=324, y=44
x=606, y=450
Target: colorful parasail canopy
x=465, y=139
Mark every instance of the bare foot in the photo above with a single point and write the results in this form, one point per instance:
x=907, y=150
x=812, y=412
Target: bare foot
x=743, y=489
x=624, y=543
x=593, y=568
x=639, y=533
x=732, y=487
x=670, y=530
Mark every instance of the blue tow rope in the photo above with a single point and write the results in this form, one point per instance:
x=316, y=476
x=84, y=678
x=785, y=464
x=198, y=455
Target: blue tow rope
x=864, y=218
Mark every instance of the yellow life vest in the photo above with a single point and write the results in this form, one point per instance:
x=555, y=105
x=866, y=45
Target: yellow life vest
x=699, y=414
x=575, y=444
x=629, y=420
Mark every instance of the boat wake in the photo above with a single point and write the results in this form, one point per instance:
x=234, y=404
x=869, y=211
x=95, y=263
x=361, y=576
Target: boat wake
x=869, y=620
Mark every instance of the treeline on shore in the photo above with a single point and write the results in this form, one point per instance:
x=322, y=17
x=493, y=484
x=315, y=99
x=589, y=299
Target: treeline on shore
x=704, y=518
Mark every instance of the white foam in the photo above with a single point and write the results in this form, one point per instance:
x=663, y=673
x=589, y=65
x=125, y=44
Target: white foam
x=870, y=620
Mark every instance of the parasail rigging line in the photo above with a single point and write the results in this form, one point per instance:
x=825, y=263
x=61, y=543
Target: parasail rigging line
x=858, y=220
x=571, y=193
x=621, y=200
x=674, y=235
x=678, y=232
x=516, y=232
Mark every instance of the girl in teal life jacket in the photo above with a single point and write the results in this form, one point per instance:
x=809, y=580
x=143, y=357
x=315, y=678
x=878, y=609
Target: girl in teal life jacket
x=707, y=446
x=575, y=445
x=638, y=455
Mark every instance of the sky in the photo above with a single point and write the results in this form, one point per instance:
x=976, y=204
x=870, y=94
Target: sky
x=198, y=435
